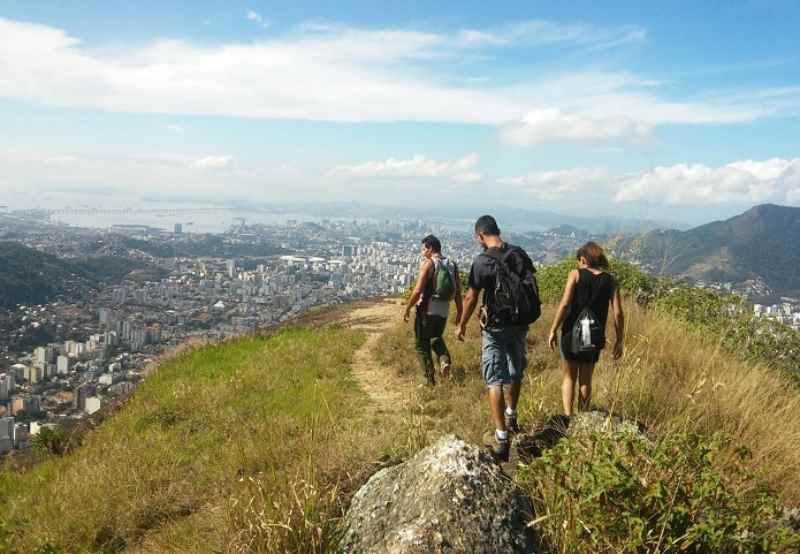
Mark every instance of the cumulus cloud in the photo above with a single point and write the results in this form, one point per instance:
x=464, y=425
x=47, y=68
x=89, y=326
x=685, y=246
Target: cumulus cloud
x=548, y=124
x=746, y=181
x=331, y=72
x=417, y=167
x=555, y=185
x=740, y=182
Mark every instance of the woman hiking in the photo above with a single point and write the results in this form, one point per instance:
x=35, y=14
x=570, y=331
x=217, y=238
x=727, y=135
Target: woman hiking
x=582, y=314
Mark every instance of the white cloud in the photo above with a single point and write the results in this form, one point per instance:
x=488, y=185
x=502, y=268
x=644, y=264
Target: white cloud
x=746, y=181
x=556, y=185
x=742, y=182
x=540, y=32
x=31, y=179
x=417, y=167
x=548, y=124
x=175, y=129
x=257, y=18
x=213, y=162
x=329, y=72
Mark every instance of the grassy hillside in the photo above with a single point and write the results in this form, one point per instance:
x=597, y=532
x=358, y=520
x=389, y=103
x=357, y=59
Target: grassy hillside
x=248, y=446
x=256, y=445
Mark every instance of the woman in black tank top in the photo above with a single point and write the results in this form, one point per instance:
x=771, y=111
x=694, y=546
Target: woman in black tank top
x=589, y=286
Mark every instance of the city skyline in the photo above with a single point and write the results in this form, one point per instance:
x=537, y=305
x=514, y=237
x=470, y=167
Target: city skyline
x=684, y=113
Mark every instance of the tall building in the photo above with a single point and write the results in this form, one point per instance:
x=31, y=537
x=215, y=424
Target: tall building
x=6, y=385
x=178, y=228
x=21, y=435
x=7, y=427
x=62, y=365
x=40, y=356
x=231, y=265
x=84, y=391
x=104, y=315
x=33, y=374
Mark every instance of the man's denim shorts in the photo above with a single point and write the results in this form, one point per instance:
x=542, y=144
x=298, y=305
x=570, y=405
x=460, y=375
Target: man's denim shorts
x=503, y=354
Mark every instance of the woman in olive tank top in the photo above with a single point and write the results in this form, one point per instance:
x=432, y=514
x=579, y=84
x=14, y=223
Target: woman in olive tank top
x=589, y=286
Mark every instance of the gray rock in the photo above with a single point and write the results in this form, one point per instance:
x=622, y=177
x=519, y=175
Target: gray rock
x=584, y=423
x=532, y=445
x=450, y=497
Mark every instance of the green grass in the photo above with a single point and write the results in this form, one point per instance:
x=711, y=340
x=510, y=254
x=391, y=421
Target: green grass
x=220, y=450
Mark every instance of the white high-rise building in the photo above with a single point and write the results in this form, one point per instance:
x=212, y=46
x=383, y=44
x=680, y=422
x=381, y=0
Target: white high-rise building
x=62, y=365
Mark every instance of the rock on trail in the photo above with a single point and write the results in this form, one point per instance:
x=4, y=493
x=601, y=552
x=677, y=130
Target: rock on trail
x=450, y=497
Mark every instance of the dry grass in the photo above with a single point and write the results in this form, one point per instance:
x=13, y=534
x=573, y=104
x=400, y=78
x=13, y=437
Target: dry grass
x=670, y=379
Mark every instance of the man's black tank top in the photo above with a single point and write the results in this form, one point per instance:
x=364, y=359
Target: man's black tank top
x=604, y=284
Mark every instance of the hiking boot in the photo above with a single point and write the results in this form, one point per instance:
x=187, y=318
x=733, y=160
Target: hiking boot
x=511, y=424
x=500, y=450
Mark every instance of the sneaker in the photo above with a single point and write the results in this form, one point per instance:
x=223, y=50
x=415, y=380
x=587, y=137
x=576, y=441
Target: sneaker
x=511, y=424
x=500, y=450
x=445, y=369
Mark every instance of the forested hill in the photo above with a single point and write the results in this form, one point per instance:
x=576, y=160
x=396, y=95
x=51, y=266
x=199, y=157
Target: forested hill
x=762, y=242
x=28, y=276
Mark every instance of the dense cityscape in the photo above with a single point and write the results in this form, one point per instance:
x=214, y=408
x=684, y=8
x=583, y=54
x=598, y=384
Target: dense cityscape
x=65, y=359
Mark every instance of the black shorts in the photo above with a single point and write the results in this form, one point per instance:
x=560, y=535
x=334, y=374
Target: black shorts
x=566, y=339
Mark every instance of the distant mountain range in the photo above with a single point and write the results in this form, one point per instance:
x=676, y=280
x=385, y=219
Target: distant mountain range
x=28, y=276
x=763, y=242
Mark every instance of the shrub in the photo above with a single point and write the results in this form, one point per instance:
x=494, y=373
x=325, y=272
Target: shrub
x=619, y=492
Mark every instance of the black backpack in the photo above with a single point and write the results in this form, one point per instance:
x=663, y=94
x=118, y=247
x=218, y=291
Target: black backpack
x=587, y=334
x=516, y=293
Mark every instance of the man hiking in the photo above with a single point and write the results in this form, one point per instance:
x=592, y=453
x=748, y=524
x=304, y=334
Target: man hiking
x=505, y=274
x=437, y=285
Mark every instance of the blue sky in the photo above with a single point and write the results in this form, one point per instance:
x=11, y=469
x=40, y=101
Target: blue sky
x=684, y=111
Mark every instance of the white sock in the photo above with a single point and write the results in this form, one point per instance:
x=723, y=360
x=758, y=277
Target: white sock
x=501, y=435
x=510, y=412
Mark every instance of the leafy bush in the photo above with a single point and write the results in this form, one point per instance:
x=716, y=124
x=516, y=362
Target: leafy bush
x=52, y=441
x=620, y=492
x=630, y=278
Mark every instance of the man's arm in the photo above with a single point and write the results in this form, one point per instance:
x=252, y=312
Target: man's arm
x=563, y=307
x=424, y=268
x=619, y=322
x=470, y=302
x=458, y=299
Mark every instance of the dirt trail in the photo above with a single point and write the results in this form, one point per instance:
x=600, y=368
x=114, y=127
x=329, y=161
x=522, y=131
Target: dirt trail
x=388, y=391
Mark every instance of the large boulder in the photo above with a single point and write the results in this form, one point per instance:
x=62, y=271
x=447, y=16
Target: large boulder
x=450, y=497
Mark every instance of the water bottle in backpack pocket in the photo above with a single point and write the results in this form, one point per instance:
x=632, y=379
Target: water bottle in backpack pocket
x=587, y=334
